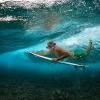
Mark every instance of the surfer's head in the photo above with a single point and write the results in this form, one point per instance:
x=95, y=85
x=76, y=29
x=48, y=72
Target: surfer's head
x=51, y=44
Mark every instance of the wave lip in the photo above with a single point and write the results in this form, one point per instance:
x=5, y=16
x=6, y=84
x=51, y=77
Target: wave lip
x=31, y=3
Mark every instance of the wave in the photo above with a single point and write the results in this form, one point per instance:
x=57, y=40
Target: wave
x=27, y=25
x=30, y=14
x=32, y=3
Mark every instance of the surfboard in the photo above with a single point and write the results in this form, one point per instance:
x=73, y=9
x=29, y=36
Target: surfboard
x=62, y=62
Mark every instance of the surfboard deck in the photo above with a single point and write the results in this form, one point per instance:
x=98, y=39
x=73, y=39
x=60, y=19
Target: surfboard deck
x=62, y=62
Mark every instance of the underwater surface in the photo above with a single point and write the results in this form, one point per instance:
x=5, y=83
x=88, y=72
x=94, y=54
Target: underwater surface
x=28, y=26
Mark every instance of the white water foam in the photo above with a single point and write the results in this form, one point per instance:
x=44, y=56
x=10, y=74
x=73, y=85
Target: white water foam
x=10, y=18
x=82, y=38
x=29, y=3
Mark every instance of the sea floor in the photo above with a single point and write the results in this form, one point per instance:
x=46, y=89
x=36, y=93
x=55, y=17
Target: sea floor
x=14, y=86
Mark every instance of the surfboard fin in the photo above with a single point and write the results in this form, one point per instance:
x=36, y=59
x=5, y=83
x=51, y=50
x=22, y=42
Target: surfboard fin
x=80, y=67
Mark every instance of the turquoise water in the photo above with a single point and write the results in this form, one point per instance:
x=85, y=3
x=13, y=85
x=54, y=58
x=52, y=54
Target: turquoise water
x=28, y=28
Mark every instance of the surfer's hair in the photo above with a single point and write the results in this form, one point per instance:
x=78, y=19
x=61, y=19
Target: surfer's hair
x=52, y=42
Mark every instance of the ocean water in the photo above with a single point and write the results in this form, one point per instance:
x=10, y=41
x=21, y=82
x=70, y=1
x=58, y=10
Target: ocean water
x=29, y=25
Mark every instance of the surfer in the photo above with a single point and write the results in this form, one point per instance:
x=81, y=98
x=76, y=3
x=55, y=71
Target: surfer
x=60, y=53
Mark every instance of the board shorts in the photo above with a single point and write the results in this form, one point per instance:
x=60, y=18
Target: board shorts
x=78, y=54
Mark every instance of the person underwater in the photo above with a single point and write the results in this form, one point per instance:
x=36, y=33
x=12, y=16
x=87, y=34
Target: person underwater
x=61, y=53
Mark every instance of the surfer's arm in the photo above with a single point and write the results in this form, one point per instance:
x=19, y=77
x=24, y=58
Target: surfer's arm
x=60, y=57
x=44, y=53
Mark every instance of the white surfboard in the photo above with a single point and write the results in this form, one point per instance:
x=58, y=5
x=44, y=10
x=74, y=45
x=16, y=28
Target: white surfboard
x=62, y=62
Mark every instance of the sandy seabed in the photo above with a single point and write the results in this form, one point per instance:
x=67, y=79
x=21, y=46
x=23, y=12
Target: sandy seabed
x=14, y=86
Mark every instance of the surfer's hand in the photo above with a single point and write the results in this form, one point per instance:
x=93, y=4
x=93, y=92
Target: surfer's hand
x=54, y=59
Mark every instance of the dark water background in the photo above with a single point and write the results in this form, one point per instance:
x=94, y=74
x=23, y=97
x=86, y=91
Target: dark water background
x=28, y=27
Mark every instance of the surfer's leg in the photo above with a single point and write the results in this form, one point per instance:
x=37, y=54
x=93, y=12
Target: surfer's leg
x=80, y=54
x=85, y=52
x=88, y=49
